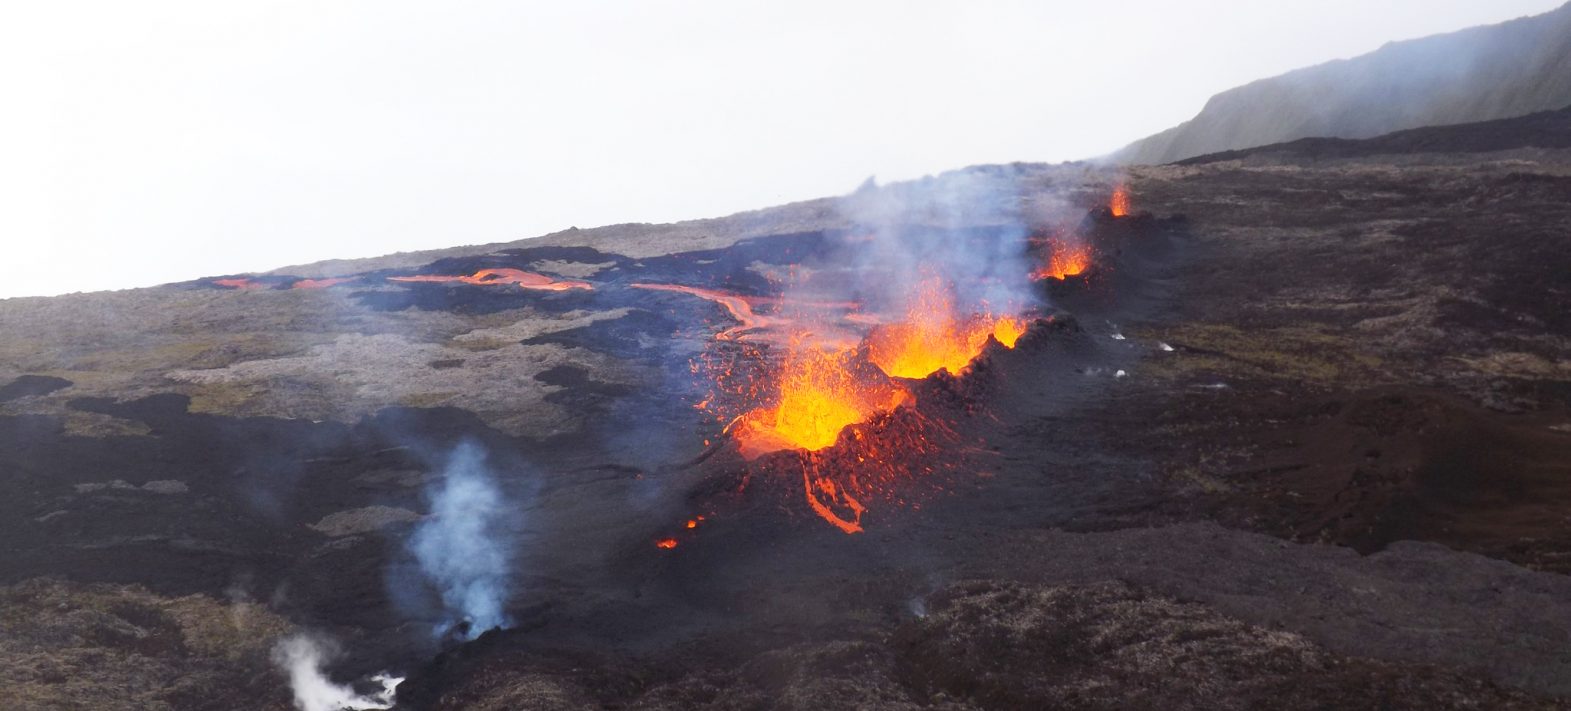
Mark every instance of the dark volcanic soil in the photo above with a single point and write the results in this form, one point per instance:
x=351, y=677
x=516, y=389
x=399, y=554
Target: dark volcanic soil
x=1300, y=439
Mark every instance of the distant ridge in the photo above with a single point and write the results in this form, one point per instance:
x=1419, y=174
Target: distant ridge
x=1478, y=74
x=1545, y=129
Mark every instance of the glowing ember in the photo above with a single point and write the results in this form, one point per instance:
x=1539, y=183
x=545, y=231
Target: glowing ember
x=819, y=395
x=525, y=280
x=666, y=543
x=1064, y=260
x=1119, y=205
x=933, y=337
x=320, y=283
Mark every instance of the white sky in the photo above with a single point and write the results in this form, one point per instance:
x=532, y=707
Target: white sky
x=148, y=142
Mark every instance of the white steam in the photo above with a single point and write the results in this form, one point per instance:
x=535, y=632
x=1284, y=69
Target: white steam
x=967, y=227
x=461, y=547
x=302, y=658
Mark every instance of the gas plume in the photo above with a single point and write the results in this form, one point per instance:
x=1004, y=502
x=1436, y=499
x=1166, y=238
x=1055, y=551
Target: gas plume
x=302, y=658
x=461, y=548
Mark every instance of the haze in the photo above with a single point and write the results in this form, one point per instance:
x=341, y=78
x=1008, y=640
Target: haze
x=155, y=142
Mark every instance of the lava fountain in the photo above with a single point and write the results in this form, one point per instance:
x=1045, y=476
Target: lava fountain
x=820, y=392
x=934, y=337
x=1064, y=260
x=1119, y=204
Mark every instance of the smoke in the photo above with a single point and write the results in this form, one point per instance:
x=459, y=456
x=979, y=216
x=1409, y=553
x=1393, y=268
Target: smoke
x=302, y=658
x=965, y=227
x=461, y=547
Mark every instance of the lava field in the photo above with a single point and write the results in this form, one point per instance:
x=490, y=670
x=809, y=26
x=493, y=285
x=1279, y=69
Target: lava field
x=1283, y=428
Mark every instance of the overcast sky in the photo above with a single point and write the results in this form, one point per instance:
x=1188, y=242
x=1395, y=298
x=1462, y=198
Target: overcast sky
x=148, y=142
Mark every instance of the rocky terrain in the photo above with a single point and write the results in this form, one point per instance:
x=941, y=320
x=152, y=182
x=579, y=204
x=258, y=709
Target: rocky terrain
x=1478, y=74
x=1299, y=439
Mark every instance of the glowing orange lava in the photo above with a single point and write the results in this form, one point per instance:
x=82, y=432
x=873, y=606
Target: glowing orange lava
x=1119, y=204
x=666, y=543
x=934, y=337
x=745, y=310
x=525, y=280
x=239, y=283
x=1064, y=260
x=819, y=394
x=740, y=307
x=320, y=283
x=1008, y=330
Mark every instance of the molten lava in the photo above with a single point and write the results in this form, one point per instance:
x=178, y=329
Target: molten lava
x=239, y=283
x=740, y=307
x=933, y=337
x=745, y=310
x=525, y=280
x=1119, y=204
x=1064, y=260
x=320, y=283
x=666, y=543
x=819, y=394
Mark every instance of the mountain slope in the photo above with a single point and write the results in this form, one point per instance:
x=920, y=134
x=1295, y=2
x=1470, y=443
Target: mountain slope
x=1544, y=130
x=1482, y=73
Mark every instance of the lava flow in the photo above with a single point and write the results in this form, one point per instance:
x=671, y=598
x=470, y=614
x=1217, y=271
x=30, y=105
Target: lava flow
x=320, y=283
x=740, y=307
x=239, y=283
x=1064, y=260
x=525, y=280
x=934, y=337
x=745, y=310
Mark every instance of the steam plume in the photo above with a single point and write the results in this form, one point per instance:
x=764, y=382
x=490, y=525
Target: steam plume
x=460, y=548
x=302, y=657
x=964, y=226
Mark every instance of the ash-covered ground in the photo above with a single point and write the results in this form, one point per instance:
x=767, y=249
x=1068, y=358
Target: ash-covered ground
x=1300, y=438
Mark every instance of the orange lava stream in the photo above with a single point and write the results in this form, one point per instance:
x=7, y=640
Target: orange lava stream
x=525, y=280
x=737, y=305
x=239, y=283
x=744, y=309
x=933, y=337
x=815, y=486
x=1065, y=260
x=320, y=283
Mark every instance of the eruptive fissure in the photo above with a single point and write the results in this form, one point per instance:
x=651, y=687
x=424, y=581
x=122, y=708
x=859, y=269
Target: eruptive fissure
x=843, y=417
x=801, y=399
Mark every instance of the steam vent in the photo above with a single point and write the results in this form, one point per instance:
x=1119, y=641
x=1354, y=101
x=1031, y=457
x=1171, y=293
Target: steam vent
x=1282, y=427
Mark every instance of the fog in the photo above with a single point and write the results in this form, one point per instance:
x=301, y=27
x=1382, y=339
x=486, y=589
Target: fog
x=153, y=142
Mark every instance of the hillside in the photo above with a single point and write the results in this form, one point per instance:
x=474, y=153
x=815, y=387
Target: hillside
x=1294, y=434
x=1542, y=131
x=1482, y=73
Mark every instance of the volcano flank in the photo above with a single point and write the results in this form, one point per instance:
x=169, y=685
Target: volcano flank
x=1282, y=428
